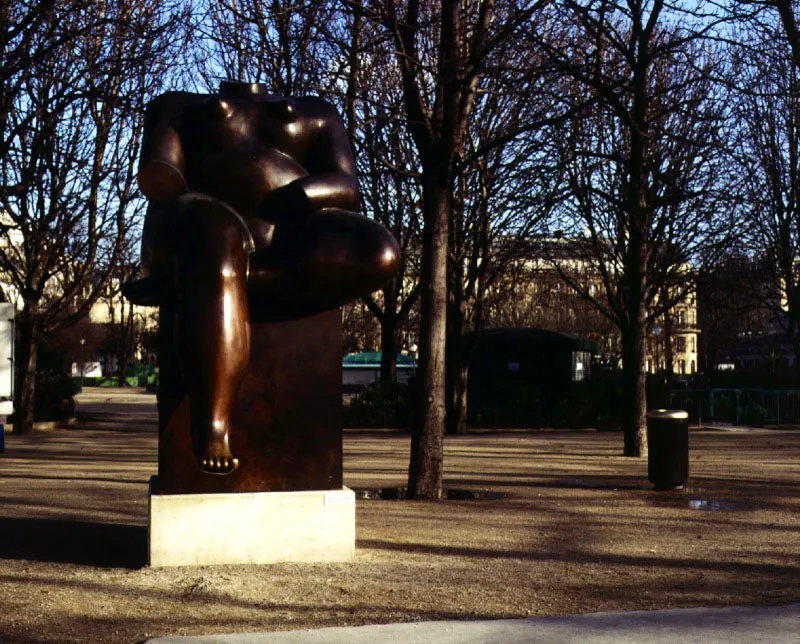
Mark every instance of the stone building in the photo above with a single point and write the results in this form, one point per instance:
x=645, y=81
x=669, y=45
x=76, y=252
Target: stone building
x=540, y=290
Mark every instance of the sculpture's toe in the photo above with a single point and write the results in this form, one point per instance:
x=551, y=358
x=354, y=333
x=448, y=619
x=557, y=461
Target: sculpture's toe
x=219, y=464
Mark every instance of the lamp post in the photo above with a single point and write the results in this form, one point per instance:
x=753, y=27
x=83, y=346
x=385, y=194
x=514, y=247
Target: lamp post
x=83, y=361
x=656, y=334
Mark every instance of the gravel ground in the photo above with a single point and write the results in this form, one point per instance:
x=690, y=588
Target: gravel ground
x=570, y=527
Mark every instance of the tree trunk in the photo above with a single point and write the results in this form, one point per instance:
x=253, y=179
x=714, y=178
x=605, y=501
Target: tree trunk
x=669, y=334
x=122, y=355
x=26, y=386
x=635, y=281
x=388, y=345
x=456, y=369
x=427, y=432
x=126, y=342
x=457, y=415
x=793, y=320
x=634, y=417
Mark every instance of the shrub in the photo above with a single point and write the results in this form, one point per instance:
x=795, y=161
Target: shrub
x=724, y=408
x=381, y=404
x=505, y=403
x=690, y=403
x=752, y=414
x=54, y=387
x=592, y=403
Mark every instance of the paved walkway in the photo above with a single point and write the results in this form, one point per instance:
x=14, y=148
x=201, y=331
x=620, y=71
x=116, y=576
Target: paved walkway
x=750, y=624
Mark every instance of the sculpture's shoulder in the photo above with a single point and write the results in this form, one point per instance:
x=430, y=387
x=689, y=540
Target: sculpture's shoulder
x=316, y=108
x=175, y=100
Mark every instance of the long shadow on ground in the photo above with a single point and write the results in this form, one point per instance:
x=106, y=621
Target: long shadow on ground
x=93, y=544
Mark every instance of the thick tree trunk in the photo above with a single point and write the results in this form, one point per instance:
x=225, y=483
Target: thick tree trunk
x=26, y=384
x=389, y=346
x=634, y=417
x=427, y=432
x=790, y=27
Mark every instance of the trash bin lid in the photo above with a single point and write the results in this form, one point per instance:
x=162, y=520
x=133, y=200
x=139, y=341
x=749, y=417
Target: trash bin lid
x=672, y=414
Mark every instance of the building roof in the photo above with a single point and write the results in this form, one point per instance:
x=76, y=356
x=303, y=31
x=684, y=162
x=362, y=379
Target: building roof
x=374, y=358
x=527, y=334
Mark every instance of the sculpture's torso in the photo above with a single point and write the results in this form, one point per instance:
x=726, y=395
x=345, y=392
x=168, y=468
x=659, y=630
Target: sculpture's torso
x=240, y=150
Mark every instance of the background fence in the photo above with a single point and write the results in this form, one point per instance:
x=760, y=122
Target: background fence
x=739, y=406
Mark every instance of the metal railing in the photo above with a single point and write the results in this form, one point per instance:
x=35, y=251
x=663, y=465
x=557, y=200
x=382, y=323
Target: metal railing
x=740, y=406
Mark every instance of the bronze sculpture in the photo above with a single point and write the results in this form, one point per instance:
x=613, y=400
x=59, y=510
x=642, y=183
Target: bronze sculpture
x=252, y=216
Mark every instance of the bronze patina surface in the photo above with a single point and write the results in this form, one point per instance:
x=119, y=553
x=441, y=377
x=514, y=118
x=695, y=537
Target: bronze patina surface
x=285, y=419
x=252, y=220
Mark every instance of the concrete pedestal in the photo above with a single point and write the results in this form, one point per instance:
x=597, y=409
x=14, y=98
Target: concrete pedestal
x=250, y=527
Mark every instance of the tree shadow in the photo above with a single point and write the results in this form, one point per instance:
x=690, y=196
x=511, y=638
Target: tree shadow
x=577, y=556
x=104, y=545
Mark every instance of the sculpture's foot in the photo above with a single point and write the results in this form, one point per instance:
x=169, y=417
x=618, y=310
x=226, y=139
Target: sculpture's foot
x=213, y=453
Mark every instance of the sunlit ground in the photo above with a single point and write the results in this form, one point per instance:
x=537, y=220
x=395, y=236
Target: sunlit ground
x=576, y=528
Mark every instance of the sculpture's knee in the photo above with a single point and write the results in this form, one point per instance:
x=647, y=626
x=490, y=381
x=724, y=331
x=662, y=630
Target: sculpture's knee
x=378, y=252
x=356, y=248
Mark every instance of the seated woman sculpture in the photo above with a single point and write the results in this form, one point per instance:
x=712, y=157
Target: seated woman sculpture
x=252, y=216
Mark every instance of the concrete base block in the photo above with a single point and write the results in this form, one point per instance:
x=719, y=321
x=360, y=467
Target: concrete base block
x=251, y=527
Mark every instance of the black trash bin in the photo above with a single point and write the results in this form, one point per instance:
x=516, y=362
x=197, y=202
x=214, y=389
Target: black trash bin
x=668, y=448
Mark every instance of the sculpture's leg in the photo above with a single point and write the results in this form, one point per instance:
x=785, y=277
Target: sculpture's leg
x=319, y=263
x=212, y=330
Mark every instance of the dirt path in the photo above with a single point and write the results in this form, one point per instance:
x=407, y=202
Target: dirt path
x=577, y=529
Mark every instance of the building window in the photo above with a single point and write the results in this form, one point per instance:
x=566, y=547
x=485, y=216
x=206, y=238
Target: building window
x=692, y=344
x=694, y=368
x=679, y=317
x=680, y=344
x=580, y=365
x=682, y=366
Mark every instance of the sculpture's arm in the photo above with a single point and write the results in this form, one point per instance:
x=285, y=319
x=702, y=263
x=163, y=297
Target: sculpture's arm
x=162, y=163
x=332, y=181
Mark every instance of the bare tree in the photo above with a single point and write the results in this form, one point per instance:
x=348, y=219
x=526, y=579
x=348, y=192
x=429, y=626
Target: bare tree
x=125, y=324
x=360, y=330
x=281, y=43
x=645, y=184
x=786, y=12
x=71, y=129
x=390, y=186
x=735, y=294
x=768, y=157
x=441, y=50
x=504, y=195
